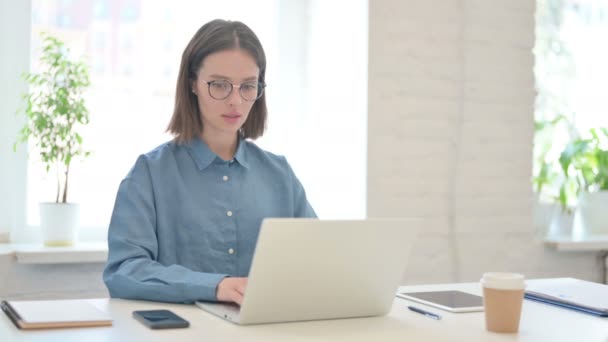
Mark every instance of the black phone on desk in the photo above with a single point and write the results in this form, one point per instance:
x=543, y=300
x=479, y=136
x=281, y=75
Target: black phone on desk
x=160, y=319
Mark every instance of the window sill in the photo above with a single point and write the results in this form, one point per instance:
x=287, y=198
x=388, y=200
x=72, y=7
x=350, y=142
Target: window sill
x=579, y=244
x=36, y=253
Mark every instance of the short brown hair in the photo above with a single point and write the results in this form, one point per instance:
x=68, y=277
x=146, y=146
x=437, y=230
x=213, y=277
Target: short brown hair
x=217, y=35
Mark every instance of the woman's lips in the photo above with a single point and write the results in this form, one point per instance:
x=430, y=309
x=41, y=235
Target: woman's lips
x=231, y=117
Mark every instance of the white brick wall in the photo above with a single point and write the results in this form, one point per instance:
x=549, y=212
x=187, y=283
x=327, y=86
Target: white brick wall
x=450, y=130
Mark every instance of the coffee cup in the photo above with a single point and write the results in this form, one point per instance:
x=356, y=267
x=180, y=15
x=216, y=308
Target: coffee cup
x=503, y=295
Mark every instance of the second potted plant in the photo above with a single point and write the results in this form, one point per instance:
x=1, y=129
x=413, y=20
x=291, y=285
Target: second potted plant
x=584, y=163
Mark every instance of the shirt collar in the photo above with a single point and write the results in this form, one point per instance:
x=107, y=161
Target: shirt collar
x=203, y=156
x=241, y=153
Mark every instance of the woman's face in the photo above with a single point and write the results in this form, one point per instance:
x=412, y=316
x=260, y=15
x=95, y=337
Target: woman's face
x=224, y=117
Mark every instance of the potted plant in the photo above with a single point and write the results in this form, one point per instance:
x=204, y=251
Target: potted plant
x=55, y=110
x=549, y=218
x=584, y=163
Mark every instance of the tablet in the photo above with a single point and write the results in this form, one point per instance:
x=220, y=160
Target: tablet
x=453, y=301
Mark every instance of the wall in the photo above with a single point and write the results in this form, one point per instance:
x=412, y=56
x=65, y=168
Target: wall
x=450, y=129
x=50, y=281
x=14, y=59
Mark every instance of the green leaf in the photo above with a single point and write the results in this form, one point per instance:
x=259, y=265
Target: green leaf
x=563, y=198
x=594, y=134
x=573, y=150
x=540, y=125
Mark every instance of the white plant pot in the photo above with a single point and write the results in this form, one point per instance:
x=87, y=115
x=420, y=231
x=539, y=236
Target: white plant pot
x=593, y=211
x=59, y=223
x=543, y=216
x=561, y=223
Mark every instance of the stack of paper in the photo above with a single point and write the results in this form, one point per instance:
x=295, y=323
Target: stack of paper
x=55, y=314
x=570, y=293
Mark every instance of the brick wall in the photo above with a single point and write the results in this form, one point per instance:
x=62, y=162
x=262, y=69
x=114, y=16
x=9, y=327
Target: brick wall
x=450, y=129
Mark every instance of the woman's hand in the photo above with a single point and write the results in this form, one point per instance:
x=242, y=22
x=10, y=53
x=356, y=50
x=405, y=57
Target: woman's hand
x=231, y=290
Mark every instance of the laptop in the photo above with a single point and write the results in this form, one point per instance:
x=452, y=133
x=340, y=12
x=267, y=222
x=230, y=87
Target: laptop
x=309, y=269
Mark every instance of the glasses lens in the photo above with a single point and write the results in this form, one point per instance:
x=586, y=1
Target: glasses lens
x=220, y=90
x=251, y=91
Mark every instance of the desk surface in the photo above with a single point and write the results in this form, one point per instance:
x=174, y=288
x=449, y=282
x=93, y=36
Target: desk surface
x=539, y=322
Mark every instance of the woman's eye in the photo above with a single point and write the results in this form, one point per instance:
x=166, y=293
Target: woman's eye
x=220, y=85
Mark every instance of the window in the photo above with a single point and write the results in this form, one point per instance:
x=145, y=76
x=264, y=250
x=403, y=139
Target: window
x=570, y=71
x=317, y=87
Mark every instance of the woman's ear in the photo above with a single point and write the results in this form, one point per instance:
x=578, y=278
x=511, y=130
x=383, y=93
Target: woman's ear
x=192, y=86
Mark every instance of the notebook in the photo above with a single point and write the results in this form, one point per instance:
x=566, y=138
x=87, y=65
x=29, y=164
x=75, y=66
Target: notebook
x=54, y=314
x=570, y=293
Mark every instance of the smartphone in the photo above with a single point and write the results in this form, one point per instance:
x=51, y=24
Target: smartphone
x=160, y=319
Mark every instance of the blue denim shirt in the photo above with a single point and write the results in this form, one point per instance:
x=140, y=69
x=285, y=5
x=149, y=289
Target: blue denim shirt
x=184, y=219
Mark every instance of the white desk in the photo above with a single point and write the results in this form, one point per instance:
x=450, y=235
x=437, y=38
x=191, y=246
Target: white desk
x=579, y=242
x=539, y=322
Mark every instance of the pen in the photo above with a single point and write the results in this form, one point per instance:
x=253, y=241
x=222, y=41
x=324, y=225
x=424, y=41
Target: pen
x=424, y=312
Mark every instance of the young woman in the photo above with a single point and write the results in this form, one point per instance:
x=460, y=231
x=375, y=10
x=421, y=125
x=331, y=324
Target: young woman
x=187, y=215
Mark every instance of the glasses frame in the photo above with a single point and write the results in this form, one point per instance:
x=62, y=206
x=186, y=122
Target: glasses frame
x=261, y=85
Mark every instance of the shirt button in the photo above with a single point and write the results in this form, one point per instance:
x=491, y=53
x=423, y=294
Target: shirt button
x=229, y=213
x=225, y=178
x=230, y=251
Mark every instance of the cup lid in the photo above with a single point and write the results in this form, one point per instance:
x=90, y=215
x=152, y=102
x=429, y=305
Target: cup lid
x=503, y=280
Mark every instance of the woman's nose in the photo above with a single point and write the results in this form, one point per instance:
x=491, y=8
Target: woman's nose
x=235, y=97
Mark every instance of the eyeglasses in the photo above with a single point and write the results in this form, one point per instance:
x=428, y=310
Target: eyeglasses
x=249, y=91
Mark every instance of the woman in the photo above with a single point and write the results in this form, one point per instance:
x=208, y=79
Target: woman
x=187, y=216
